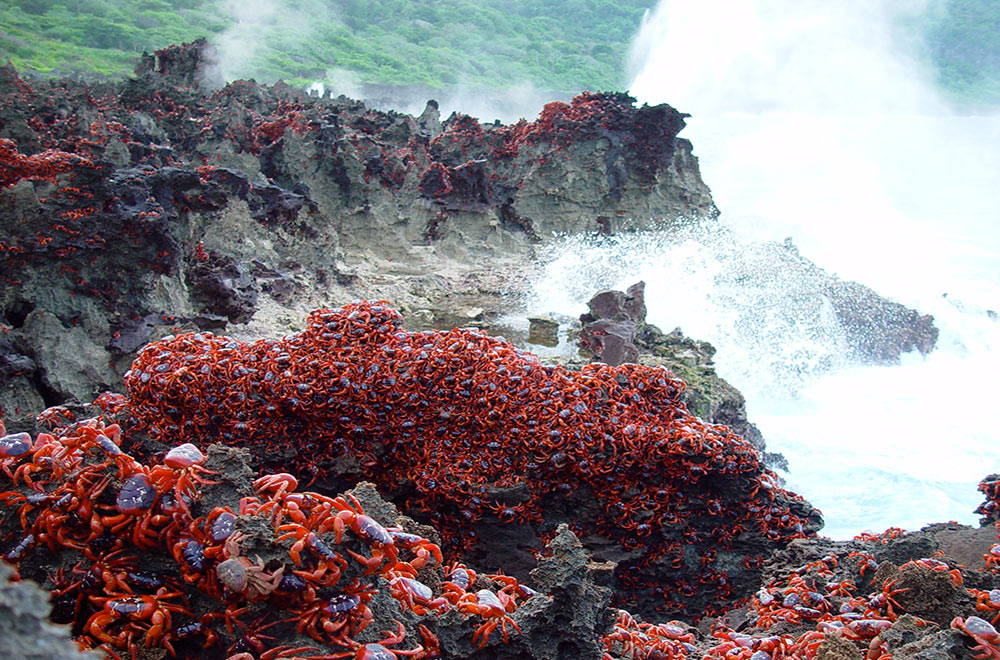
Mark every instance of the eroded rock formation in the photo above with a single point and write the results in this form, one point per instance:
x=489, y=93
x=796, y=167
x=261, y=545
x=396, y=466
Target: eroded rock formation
x=142, y=206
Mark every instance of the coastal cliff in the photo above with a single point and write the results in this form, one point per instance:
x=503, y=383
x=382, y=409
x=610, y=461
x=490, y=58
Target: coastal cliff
x=182, y=257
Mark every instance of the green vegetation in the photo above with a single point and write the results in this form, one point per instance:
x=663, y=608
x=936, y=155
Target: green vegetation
x=557, y=45
x=97, y=36
x=964, y=43
x=560, y=45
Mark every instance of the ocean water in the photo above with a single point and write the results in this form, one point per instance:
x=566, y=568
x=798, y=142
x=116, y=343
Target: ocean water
x=815, y=124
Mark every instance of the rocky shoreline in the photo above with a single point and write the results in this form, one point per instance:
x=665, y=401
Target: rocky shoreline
x=243, y=208
x=139, y=211
x=926, y=594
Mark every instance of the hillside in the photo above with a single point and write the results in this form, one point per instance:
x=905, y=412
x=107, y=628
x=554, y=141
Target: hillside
x=964, y=44
x=562, y=46
x=566, y=45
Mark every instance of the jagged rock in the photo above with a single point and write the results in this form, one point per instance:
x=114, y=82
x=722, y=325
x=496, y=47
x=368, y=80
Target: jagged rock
x=13, y=363
x=190, y=64
x=224, y=286
x=927, y=594
x=608, y=331
x=563, y=621
x=795, y=291
x=429, y=121
x=835, y=647
x=319, y=198
x=25, y=632
x=14, y=116
x=171, y=168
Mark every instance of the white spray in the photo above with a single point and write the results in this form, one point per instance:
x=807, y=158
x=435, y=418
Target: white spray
x=813, y=121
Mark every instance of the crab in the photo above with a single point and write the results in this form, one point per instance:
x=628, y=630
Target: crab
x=379, y=650
x=983, y=632
x=181, y=473
x=351, y=516
x=416, y=595
x=494, y=608
x=239, y=574
x=987, y=601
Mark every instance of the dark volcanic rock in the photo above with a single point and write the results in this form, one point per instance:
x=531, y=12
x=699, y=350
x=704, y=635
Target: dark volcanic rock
x=877, y=329
x=774, y=279
x=192, y=64
x=608, y=331
x=563, y=623
x=225, y=286
x=116, y=184
x=615, y=331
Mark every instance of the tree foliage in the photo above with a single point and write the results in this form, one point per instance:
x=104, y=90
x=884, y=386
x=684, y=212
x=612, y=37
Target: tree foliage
x=964, y=42
x=561, y=45
x=557, y=45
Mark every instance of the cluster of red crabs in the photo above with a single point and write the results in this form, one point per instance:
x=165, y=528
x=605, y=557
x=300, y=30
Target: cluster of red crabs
x=469, y=427
x=822, y=600
x=76, y=491
x=44, y=166
x=813, y=603
x=477, y=427
x=172, y=554
x=168, y=553
x=69, y=141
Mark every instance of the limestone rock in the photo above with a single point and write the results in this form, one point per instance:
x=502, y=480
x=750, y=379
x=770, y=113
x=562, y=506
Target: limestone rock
x=543, y=330
x=562, y=623
x=70, y=362
x=298, y=200
x=25, y=631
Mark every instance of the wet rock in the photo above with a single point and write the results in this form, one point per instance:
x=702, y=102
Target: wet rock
x=616, y=329
x=273, y=204
x=543, y=330
x=880, y=330
x=775, y=278
x=130, y=335
x=708, y=396
x=12, y=363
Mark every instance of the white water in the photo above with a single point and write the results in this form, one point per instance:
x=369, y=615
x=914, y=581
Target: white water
x=811, y=123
